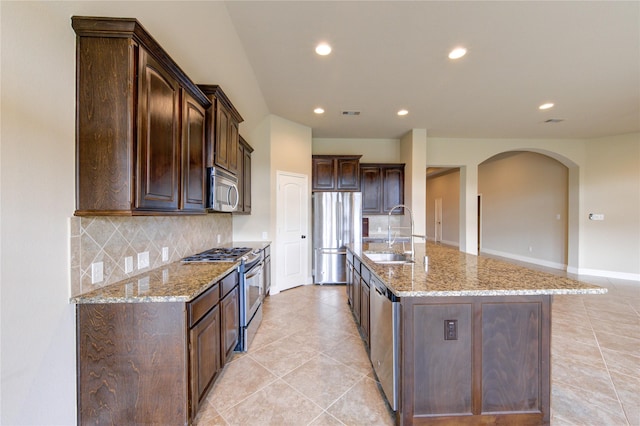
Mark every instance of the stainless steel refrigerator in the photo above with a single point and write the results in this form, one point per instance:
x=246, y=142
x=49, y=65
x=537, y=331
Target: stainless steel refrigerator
x=337, y=221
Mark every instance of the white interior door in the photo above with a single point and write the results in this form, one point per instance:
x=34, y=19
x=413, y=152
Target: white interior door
x=438, y=216
x=292, y=234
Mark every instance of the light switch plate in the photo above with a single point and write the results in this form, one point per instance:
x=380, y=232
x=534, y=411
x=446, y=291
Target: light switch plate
x=165, y=254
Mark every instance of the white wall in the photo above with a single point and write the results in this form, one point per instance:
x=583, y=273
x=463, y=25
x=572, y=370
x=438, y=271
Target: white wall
x=372, y=150
x=524, y=208
x=611, y=186
x=413, y=152
x=37, y=148
x=590, y=163
x=447, y=187
x=290, y=152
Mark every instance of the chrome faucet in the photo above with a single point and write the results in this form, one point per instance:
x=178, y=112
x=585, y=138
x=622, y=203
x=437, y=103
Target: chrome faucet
x=413, y=251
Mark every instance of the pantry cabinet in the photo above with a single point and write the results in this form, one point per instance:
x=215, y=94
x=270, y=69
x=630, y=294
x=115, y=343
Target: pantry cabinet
x=336, y=172
x=222, y=135
x=139, y=146
x=382, y=187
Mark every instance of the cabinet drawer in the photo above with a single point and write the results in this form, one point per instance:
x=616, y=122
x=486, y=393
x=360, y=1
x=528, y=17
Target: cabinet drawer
x=203, y=303
x=356, y=264
x=365, y=274
x=228, y=283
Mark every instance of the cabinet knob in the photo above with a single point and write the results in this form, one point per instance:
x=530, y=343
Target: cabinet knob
x=303, y=236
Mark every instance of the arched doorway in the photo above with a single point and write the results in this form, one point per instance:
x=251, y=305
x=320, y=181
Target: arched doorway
x=525, y=207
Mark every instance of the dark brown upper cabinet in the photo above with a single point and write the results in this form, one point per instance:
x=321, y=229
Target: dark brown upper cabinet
x=222, y=136
x=244, y=177
x=382, y=187
x=139, y=124
x=336, y=173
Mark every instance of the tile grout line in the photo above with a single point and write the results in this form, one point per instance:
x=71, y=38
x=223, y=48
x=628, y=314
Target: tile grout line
x=604, y=361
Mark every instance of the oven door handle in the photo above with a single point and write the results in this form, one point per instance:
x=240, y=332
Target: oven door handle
x=254, y=271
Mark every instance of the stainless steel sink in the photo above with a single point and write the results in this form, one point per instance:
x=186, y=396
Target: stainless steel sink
x=388, y=257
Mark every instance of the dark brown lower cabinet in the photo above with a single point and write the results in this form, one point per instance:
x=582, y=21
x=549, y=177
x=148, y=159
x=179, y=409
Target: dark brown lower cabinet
x=153, y=363
x=491, y=367
x=204, y=340
x=364, y=312
x=132, y=364
x=230, y=330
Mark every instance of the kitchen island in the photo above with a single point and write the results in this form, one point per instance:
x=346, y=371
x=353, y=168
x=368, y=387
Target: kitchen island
x=471, y=335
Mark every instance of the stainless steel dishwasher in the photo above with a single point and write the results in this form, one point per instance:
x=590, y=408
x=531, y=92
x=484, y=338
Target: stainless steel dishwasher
x=385, y=335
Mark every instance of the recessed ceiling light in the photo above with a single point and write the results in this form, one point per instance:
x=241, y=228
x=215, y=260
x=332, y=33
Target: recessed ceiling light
x=403, y=112
x=457, y=53
x=323, y=49
x=319, y=110
x=546, y=106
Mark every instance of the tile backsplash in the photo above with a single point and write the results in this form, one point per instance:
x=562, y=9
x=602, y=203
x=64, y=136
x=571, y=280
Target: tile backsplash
x=112, y=239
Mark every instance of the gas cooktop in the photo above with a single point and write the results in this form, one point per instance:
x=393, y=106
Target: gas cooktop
x=223, y=254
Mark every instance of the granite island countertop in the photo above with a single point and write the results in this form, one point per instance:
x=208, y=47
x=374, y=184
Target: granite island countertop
x=450, y=272
x=173, y=282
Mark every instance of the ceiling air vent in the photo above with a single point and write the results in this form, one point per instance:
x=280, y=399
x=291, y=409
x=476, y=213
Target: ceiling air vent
x=554, y=120
x=350, y=113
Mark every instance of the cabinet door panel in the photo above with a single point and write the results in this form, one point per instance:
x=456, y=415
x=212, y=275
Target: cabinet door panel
x=222, y=136
x=364, y=311
x=246, y=183
x=230, y=323
x=232, y=146
x=159, y=139
x=205, y=355
x=193, y=155
x=323, y=175
x=357, y=292
x=371, y=185
x=393, y=188
x=348, y=175
x=442, y=364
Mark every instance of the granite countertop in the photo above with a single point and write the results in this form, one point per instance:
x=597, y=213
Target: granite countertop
x=173, y=282
x=450, y=272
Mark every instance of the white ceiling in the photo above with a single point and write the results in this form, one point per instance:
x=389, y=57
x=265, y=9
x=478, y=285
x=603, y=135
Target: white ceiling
x=583, y=56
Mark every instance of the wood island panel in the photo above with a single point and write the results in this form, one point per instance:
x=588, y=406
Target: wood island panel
x=495, y=372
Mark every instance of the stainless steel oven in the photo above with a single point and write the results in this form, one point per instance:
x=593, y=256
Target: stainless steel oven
x=251, y=285
x=251, y=295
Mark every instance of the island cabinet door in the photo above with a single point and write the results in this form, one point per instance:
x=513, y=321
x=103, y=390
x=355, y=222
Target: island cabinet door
x=476, y=360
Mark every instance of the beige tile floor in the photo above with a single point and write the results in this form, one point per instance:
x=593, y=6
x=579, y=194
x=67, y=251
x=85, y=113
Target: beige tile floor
x=308, y=366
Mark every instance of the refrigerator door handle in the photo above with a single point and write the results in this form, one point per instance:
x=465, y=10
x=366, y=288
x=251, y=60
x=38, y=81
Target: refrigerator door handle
x=331, y=251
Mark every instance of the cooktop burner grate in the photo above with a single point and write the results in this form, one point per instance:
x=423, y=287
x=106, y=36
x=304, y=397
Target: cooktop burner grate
x=223, y=254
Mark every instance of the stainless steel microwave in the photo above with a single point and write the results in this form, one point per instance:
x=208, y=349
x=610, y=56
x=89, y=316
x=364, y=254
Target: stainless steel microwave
x=223, y=190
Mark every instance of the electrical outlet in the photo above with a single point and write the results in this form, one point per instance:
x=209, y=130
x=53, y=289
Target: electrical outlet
x=450, y=329
x=143, y=260
x=128, y=264
x=97, y=272
x=265, y=235
x=219, y=238
x=596, y=216
x=165, y=254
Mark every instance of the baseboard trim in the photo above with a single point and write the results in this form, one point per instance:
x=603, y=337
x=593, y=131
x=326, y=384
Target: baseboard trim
x=526, y=259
